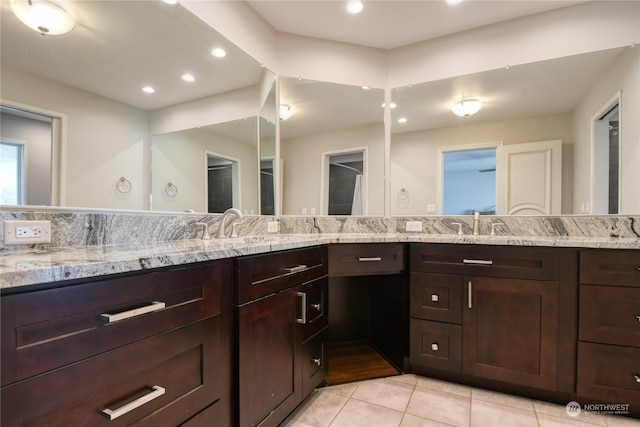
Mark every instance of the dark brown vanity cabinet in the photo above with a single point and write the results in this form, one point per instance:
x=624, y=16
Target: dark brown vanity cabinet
x=282, y=318
x=494, y=313
x=147, y=348
x=609, y=346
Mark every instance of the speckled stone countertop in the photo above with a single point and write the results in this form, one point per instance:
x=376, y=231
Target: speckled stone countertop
x=29, y=267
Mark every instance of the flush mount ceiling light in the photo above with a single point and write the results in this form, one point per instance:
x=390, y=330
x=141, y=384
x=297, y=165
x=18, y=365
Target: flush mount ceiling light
x=43, y=16
x=354, y=7
x=218, y=52
x=286, y=111
x=466, y=107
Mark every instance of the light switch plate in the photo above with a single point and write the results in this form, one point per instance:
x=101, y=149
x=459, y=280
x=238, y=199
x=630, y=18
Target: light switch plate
x=413, y=226
x=27, y=232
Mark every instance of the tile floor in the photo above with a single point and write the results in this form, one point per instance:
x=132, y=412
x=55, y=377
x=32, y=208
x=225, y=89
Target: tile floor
x=415, y=401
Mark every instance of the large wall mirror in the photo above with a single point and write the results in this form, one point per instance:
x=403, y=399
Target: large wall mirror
x=332, y=148
x=90, y=82
x=567, y=126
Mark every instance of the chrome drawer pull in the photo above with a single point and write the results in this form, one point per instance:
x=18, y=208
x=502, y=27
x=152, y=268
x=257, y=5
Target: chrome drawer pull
x=316, y=306
x=434, y=346
x=303, y=319
x=154, y=306
x=638, y=317
x=112, y=414
x=435, y=298
x=370, y=259
x=470, y=294
x=637, y=377
x=295, y=269
x=317, y=361
x=477, y=261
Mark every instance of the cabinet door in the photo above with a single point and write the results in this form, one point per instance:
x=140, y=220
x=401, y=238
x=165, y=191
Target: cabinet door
x=510, y=331
x=269, y=354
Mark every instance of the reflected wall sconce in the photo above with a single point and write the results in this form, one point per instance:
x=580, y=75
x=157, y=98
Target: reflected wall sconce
x=466, y=107
x=43, y=16
x=286, y=111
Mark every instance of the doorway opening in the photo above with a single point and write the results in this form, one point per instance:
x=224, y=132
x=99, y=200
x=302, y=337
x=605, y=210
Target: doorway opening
x=344, y=183
x=11, y=173
x=469, y=181
x=606, y=159
x=222, y=183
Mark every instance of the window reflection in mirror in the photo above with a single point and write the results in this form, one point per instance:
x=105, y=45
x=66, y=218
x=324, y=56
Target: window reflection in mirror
x=329, y=117
x=469, y=182
x=543, y=101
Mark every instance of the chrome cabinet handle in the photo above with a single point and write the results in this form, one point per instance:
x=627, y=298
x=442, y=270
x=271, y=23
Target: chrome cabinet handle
x=638, y=317
x=434, y=347
x=637, y=377
x=435, y=298
x=317, y=362
x=477, y=261
x=112, y=414
x=154, y=306
x=469, y=294
x=303, y=319
x=295, y=269
x=316, y=306
x=370, y=259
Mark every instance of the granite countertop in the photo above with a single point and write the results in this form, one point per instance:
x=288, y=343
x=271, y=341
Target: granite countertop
x=29, y=267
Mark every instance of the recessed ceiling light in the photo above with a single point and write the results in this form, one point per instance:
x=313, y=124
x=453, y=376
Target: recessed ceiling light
x=188, y=78
x=170, y=1
x=392, y=105
x=365, y=87
x=354, y=7
x=454, y=1
x=148, y=89
x=218, y=52
x=402, y=120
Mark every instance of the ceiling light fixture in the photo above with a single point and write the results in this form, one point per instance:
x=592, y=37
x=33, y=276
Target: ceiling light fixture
x=286, y=111
x=454, y=1
x=218, y=52
x=391, y=105
x=402, y=120
x=354, y=7
x=188, y=78
x=466, y=107
x=148, y=89
x=43, y=16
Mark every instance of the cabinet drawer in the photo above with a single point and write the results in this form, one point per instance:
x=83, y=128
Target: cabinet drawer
x=261, y=275
x=314, y=362
x=610, y=315
x=436, y=297
x=436, y=345
x=480, y=260
x=316, y=302
x=47, y=329
x=366, y=259
x=184, y=365
x=609, y=373
x=618, y=268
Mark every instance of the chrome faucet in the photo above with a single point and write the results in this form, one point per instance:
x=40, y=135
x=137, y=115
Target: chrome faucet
x=223, y=221
x=476, y=223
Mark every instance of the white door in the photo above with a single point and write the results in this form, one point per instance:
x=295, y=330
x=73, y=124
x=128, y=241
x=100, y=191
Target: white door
x=529, y=178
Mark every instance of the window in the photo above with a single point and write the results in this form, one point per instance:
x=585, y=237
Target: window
x=11, y=173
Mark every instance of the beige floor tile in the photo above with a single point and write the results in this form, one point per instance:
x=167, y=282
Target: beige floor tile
x=545, y=420
x=440, y=406
x=406, y=378
x=502, y=399
x=318, y=410
x=384, y=392
x=343, y=389
x=356, y=413
x=459, y=389
x=617, y=421
x=414, y=421
x=485, y=414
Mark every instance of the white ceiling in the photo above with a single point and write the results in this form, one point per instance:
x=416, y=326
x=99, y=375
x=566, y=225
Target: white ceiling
x=388, y=24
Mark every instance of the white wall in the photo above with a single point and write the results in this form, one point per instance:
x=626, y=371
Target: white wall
x=105, y=140
x=623, y=77
x=179, y=158
x=414, y=154
x=302, y=167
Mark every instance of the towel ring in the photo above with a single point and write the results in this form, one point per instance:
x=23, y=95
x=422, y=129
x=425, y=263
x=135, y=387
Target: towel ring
x=170, y=190
x=123, y=186
x=403, y=198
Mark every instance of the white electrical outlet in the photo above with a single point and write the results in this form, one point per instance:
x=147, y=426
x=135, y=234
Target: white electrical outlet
x=273, y=227
x=413, y=226
x=27, y=232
